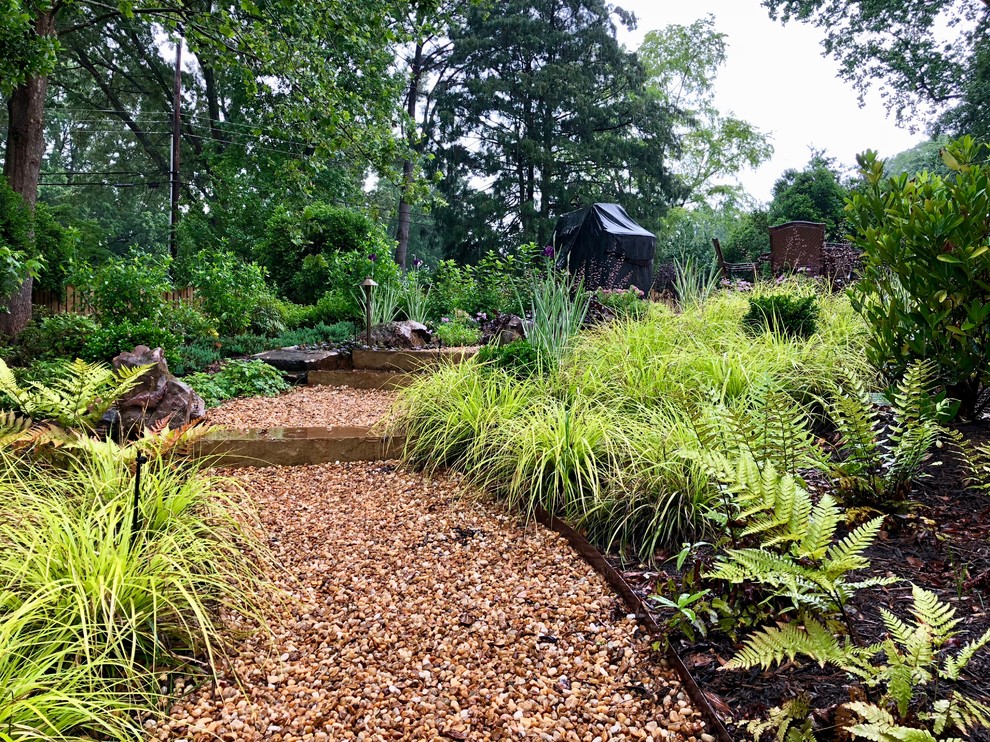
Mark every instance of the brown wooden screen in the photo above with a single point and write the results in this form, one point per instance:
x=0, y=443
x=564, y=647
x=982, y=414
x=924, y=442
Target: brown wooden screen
x=74, y=302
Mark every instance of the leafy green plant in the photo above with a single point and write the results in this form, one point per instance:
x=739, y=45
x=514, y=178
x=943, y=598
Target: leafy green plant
x=916, y=668
x=386, y=300
x=75, y=399
x=126, y=289
x=229, y=289
x=784, y=314
x=57, y=336
x=925, y=288
x=115, y=337
x=192, y=358
x=94, y=608
x=694, y=283
x=518, y=358
x=790, y=722
x=626, y=303
x=559, y=305
x=879, y=462
x=799, y=556
x=189, y=324
x=338, y=332
x=415, y=296
x=238, y=379
x=18, y=254
x=457, y=333
x=243, y=345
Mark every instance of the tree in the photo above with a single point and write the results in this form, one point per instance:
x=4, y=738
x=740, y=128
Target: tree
x=326, y=64
x=681, y=64
x=925, y=56
x=813, y=194
x=547, y=113
x=922, y=157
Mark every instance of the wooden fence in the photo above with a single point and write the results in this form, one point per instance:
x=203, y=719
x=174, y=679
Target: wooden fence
x=75, y=302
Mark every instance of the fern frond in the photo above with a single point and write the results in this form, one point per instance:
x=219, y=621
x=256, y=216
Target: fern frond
x=879, y=726
x=938, y=616
x=790, y=722
x=847, y=554
x=820, y=530
x=772, y=644
x=953, y=666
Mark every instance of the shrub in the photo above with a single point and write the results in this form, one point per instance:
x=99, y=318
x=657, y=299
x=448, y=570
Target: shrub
x=189, y=324
x=336, y=305
x=243, y=345
x=518, y=358
x=783, y=314
x=229, y=288
x=626, y=303
x=126, y=289
x=925, y=289
x=57, y=336
x=457, y=332
x=112, y=339
x=192, y=358
x=17, y=245
x=339, y=332
x=238, y=379
x=295, y=316
x=323, y=230
x=270, y=316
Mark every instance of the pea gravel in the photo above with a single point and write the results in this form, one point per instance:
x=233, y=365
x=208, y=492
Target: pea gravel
x=305, y=406
x=418, y=613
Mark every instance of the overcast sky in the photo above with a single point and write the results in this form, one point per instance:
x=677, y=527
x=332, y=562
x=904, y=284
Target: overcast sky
x=777, y=79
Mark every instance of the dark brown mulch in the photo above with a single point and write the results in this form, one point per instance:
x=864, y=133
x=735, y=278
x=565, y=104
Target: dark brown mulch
x=940, y=544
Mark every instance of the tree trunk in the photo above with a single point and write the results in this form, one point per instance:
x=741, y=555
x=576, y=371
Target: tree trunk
x=22, y=165
x=408, y=167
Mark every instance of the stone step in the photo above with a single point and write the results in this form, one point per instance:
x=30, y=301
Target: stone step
x=296, y=446
x=371, y=359
x=386, y=380
x=295, y=360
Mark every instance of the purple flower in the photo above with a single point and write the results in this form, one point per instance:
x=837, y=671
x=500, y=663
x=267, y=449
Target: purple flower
x=373, y=257
x=417, y=263
x=445, y=319
x=548, y=251
x=481, y=316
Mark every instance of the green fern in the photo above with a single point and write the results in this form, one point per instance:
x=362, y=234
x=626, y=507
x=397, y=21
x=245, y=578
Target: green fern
x=77, y=398
x=790, y=722
x=798, y=555
x=978, y=460
x=879, y=725
x=767, y=425
x=879, y=464
x=909, y=664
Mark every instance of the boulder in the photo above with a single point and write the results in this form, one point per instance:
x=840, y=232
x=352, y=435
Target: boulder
x=405, y=335
x=160, y=397
x=504, y=329
x=296, y=360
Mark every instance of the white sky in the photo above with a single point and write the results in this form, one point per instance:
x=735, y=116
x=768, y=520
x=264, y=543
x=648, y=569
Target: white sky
x=776, y=78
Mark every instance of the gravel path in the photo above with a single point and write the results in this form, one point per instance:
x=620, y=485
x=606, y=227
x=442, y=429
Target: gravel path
x=305, y=406
x=422, y=615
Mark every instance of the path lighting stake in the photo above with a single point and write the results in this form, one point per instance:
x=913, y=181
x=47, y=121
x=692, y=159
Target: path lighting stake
x=367, y=286
x=141, y=459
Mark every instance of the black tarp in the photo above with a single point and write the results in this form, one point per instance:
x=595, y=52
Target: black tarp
x=602, y=245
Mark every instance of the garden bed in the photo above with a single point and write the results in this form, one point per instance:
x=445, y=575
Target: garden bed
x=417, y=613
x=307, y=406
x=939, y=544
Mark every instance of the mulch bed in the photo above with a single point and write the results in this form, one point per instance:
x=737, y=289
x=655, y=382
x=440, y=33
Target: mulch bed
x=940, y=544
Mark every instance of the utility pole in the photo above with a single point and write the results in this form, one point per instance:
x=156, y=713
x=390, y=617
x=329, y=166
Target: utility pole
x=173, y=219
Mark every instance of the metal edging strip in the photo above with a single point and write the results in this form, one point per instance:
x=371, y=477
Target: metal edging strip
x=636, y=605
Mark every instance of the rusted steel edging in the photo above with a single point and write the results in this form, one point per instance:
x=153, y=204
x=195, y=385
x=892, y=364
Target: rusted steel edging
x=636, y=605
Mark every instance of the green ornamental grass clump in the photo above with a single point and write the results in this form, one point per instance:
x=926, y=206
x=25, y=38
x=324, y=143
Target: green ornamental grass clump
x=603, y=437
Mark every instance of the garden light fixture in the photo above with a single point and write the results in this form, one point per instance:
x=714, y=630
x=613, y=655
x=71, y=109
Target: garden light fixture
x=368, y=286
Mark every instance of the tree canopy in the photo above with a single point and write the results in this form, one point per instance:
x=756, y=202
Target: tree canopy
x=930, y=59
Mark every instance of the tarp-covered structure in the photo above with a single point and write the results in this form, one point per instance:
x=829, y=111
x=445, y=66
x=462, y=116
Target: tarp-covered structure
x=602, y=245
